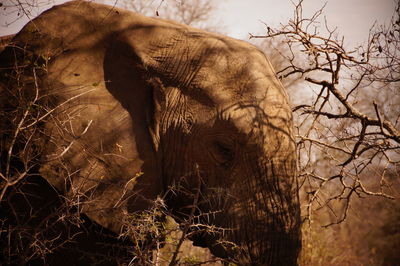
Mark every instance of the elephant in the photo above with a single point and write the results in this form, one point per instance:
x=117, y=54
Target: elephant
x=124, y=111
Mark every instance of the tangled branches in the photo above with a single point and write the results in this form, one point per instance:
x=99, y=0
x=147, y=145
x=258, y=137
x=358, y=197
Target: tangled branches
x=348, y=121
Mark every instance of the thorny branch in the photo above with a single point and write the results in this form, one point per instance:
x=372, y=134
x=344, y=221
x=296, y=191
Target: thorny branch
x=26, y=125
x=22, y=115
x=348, y=122
x=142, y=224
x=190, y=219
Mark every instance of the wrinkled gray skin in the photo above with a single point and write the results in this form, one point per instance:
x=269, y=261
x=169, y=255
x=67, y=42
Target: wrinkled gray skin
x=180, y=105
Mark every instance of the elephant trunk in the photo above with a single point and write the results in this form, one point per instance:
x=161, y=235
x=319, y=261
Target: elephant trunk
x=267, y=214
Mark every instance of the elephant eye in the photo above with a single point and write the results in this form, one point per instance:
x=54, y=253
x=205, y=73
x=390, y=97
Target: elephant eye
x=224, y=152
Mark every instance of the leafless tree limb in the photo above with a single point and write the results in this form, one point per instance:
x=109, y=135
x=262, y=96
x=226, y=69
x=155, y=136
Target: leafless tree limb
x=355, y=137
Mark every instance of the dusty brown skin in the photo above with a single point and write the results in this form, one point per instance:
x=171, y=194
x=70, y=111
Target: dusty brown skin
x=175, y=103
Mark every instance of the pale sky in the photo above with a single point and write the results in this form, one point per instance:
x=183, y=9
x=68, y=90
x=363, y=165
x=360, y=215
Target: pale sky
x=353, y=18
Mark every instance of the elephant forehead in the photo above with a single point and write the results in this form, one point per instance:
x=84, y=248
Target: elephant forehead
x=234, y=65
x=251, y=116
x=240, y=74
x=260, y=99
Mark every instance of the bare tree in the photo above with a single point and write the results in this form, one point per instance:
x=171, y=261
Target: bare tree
x=348, y=123
x=347, y=116
x=12, y=11
x=196, y=13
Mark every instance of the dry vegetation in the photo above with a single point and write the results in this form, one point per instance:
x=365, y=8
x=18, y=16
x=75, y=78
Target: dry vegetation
x=346, y=107
x=347, y=115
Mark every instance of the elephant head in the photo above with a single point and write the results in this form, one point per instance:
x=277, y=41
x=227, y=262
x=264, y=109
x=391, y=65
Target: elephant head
x=201, y=115
x=222, y=110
